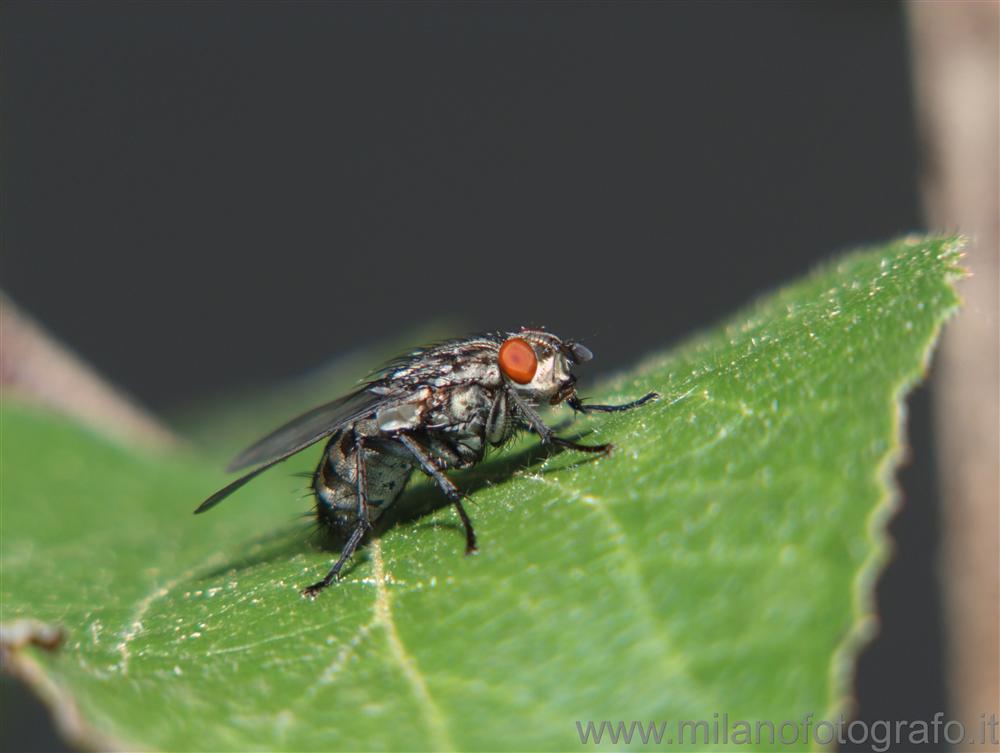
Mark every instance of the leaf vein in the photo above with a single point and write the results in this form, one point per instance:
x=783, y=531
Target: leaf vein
x=418, y=685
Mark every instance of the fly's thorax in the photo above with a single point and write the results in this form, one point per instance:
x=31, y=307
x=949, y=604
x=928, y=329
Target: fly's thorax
x=464, y=403
x=405, y=414
x=446, y=365
x=482, y=371
x=499, y=424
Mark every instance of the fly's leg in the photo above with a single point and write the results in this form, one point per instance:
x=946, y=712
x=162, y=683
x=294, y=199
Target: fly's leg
x=546, y=434
x=352, y=543
x=470, y=535
x=576, y=404
x=444, y=484
x=363, y=526
x=597, y=449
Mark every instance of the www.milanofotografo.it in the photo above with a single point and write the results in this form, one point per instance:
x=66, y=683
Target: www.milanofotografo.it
x=879, y=735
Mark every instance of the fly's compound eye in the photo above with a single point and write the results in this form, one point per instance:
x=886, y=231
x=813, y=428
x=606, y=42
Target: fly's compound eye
x=518, y=360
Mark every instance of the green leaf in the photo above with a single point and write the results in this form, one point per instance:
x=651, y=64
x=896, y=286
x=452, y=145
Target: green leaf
x=721, y=561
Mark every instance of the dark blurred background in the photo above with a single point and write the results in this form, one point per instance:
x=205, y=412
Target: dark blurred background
x=201, y=196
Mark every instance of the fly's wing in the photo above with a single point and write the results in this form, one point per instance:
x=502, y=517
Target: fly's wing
x=307, y=429
x=294, y=437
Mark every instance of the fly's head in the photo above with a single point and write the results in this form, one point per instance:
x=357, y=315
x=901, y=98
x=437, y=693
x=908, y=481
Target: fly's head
x=537, y=365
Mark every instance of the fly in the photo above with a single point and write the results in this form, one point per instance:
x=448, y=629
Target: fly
x=435, y=409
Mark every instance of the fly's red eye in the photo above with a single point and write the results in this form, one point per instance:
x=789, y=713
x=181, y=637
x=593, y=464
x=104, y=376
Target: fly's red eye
x=517, y=360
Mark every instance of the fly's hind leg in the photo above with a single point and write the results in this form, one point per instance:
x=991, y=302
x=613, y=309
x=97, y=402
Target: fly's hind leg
x=362, y=527
x=352, y=543
x=444, y=484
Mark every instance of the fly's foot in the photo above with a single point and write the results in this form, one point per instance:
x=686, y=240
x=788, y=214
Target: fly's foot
x=601, y=449
x=311, y=592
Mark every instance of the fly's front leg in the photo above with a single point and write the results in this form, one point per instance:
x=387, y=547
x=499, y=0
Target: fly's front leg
x=547, y=435
x=363, y=526
x=578, y=405
x=444, y=483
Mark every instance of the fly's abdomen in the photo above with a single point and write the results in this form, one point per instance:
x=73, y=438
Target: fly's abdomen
x=335, y=482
